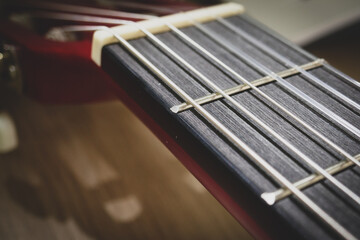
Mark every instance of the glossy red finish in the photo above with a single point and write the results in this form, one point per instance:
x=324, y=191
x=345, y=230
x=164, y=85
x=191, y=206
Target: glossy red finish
x=56, y=72
x=63, y=72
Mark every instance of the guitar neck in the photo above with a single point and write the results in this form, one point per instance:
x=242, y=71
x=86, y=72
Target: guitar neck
x=270, y=130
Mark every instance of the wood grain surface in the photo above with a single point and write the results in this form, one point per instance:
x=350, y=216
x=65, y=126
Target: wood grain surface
x=96, y=172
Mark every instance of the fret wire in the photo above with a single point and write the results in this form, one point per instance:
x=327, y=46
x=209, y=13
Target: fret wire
x=302, y=51
x=265, y=166
x=277, y=104
x=271, y=100
x=310, y=162
x=260, y=67
x=287, y=62
x=305, y=158
x=310, y=180
x=243, y=87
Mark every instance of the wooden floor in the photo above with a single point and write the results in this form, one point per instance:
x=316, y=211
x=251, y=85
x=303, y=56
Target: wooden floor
x=95, y=172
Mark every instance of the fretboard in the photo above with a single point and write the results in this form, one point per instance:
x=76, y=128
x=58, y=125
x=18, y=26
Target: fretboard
x=267, y=121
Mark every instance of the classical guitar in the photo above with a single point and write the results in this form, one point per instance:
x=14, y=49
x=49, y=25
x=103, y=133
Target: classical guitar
x=270, y=130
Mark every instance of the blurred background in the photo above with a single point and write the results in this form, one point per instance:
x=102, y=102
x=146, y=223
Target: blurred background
x=94, y=171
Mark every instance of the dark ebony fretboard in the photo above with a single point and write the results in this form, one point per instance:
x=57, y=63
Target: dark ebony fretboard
x=234, y=171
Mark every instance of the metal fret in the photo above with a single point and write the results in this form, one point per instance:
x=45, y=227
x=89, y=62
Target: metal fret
x=286, y=42
x=243, y=87
x=287, y=62
x=268, y=129
x=282, y=193
x=260, y=67
x=242, y=146
x=304, y=124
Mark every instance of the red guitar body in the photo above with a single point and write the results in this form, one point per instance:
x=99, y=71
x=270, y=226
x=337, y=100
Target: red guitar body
x=55, y=72
x=61, y=72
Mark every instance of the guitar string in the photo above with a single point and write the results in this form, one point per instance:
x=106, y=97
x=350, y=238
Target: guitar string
x=88, y=10
x=311, y=179
x=265, y=166
x=243, y=109
x=244, y=87
x=116, y=21
x=77, y=18
x=303, y=198
x=116, y=13
x=287, y=43
x=163, y=9
x=79, y=28
x=286, y=61
x=260, y=67
x=310, y=162
x=281, y=107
